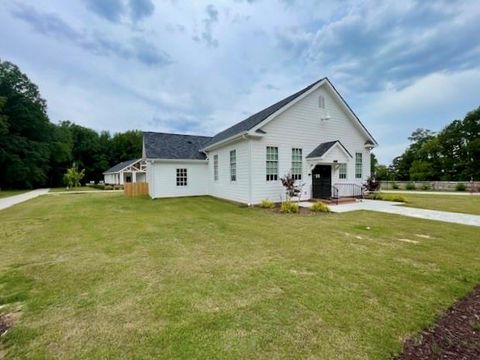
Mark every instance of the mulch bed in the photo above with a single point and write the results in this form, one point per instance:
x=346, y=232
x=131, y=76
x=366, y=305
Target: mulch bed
x=456, y=335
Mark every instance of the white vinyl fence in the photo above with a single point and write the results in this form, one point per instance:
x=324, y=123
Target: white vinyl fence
x=431, y=185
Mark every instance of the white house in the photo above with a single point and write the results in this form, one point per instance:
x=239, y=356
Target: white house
x=126, y=171
x=312, y=134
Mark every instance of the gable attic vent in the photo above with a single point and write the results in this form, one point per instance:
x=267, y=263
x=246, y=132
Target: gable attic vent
x=321, y=102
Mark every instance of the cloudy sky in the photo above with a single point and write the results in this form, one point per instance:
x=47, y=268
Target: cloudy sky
x=198, y=67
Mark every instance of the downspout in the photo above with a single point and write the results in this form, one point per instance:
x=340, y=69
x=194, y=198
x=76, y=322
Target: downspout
x=249, y=168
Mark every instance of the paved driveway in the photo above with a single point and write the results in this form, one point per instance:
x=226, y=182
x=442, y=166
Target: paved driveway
x=397, y=208
x=17, y=199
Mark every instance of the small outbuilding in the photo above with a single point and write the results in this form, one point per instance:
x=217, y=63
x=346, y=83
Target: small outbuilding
x=130, y=171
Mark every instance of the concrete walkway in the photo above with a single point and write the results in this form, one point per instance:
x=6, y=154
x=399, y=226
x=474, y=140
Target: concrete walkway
x=398, y=209
x=84, y=192
x=17, y=199
x=461, y=193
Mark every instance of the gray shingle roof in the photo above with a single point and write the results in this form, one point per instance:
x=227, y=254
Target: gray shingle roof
x=257, y=118
x=120, y=166
x=321, y=149
x=174, y=146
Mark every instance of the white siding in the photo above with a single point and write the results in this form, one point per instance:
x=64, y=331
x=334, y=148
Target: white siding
x=301, y=126
x=223, y=187
x=162, y=176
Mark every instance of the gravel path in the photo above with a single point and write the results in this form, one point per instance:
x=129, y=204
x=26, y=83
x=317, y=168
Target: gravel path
x=17, y=199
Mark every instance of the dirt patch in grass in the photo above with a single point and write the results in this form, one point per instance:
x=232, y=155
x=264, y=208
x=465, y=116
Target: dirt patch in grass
x=6, y=322
x=456, y=335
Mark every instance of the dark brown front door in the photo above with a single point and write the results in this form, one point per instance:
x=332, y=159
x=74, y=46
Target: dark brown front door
x=322, y=182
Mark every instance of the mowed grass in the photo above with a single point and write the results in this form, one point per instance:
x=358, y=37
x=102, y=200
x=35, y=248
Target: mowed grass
x=80, y=188
x=7, y=193
x=468, y=204
x=104, y=276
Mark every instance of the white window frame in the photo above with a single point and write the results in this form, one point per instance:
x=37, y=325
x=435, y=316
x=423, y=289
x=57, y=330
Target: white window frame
x=233, y=165
x=297, y=163
x=358, y=165
x=271, y=163
x=342, y=171
x=215, y=167
x=182, y=177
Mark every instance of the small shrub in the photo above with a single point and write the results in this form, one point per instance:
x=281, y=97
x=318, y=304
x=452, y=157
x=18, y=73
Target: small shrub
x=460, y=187
x=108, y=187
x=425, y=187
x=267, y=204
x=410, y=186
x=320, y=207
x=98, y=186
x=372, y=184
x=397, y=198
x=395, y=186
x=387, y=197
x=289, y=207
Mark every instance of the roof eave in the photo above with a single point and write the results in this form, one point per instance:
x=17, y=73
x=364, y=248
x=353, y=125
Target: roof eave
x=288, y=105
x=225, y=141
x=352, y=113
x=176, y=160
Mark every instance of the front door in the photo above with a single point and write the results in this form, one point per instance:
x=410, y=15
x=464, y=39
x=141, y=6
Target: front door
x=322, y=182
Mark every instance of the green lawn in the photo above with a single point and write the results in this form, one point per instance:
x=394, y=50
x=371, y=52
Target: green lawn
x=104, y=276
x=7, y=193
x=456, y=203
x=80, y=188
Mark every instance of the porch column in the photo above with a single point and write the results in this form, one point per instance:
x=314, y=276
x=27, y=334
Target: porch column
x=134, y=176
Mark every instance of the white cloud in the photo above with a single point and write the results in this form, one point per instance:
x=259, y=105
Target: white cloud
x=400, y=65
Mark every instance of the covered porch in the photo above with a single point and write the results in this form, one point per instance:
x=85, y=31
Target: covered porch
x=328, y=171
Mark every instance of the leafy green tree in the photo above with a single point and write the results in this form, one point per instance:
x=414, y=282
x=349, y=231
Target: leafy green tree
x=382, y=172
x=126, y=146
x=25, y=131
x=452, y=154
x=73, y=176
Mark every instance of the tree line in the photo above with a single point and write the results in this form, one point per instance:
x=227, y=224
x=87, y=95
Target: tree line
x=34, y=152
x=453, y=154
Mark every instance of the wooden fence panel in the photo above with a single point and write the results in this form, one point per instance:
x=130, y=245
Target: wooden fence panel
x=135, y=189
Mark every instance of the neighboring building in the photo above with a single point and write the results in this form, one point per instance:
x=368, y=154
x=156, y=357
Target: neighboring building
x=312, y=134
x=126, y=172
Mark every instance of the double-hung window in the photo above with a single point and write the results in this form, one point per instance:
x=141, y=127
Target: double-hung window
x=181, y=177
x=215, y=167
x=272, y=163
x=342, y=171
x=297, y=164
x=233, y=165
x=358, y=165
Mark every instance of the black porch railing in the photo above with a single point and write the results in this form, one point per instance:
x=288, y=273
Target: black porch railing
x=349, y=190
x=335, y=194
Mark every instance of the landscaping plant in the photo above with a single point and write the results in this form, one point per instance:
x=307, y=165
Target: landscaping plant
x=267, y=204
x=320, y=207
x=73, y=176
x=289, y=207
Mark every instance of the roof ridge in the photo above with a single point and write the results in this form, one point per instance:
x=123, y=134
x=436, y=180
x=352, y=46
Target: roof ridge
x=177, y=134
x=256, y=118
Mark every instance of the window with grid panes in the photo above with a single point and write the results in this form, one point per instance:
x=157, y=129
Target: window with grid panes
x=181, y=177
x=233, y=165
x=342, y=171
x=272, y=163
x=358, y=165
x=297, y=163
